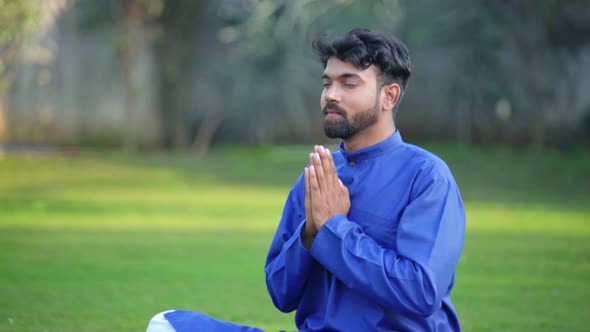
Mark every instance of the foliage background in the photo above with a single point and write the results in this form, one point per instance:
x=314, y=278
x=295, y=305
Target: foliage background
x=188, y=74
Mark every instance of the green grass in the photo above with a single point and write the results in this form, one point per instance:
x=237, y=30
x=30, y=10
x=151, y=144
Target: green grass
x=102, y=241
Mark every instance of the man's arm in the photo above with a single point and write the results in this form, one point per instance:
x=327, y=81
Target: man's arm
x=288, y=263
x=415, y=276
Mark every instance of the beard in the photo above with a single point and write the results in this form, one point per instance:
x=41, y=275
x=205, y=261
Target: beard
x=346, y=128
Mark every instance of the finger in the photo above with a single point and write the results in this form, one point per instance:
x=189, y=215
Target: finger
x=334, y=172
x=307, y=196
x=328, y=168
x=319, y=170
x=314, y=159
x=313, y=181
x=317, y=203
x=307, y=193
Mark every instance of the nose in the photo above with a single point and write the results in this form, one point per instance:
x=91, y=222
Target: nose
x=331, y=94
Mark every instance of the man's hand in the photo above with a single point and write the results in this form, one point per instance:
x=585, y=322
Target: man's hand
x=329, y=196
x=310, y=230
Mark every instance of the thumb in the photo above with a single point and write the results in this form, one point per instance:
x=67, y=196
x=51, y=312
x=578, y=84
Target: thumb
x=343, y=187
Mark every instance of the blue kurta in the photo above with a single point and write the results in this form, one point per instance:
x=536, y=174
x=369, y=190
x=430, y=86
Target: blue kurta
x=387, y=266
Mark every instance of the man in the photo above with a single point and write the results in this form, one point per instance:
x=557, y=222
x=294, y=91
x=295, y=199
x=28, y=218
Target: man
x=370, y=235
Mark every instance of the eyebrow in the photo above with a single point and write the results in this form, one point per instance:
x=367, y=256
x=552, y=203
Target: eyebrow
x=345, y=75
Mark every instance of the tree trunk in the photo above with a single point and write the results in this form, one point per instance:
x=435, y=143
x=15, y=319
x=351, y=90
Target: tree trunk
x=202, y=142
x=7, y=77
x=133, y=26
x=8, y=80
x=2, y=127
x=3, y=103
x=463, y=122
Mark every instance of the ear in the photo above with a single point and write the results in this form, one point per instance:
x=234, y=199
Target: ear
x=390, y=94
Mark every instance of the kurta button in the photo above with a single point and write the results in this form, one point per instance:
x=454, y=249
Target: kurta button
x=352, y=164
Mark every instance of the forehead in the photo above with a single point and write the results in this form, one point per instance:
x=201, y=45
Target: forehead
x=336, y=68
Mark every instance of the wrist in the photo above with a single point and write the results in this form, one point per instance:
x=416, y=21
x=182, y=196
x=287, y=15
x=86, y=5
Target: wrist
x=307, y=237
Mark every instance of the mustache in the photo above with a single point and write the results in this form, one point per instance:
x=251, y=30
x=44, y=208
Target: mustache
x=333, y=107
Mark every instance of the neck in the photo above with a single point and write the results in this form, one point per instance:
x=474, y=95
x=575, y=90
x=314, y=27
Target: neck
x=370, y=136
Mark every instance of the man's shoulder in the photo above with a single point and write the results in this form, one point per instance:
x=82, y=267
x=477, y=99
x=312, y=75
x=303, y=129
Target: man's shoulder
x=426, y=161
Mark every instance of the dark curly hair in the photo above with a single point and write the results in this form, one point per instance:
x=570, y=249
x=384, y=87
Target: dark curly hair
x=363, y=48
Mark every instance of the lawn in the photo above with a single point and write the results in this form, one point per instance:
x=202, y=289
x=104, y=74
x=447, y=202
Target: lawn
x=101, y=241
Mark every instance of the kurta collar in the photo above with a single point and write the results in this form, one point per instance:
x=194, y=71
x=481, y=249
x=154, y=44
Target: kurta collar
x=374, y=150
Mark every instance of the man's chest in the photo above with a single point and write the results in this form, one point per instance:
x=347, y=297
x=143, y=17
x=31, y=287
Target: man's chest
x=378, y=202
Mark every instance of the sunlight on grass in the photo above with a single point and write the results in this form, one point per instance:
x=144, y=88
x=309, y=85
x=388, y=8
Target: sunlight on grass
x=527, y=219
x=84, y=237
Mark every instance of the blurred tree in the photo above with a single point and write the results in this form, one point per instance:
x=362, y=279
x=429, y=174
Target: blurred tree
x=137, y=22
x=547, y=38
x=137, y=18
x=181, y=27
x=243, y=71
x=17, y=19
x=273, y=75
x=133, y=20
x=464, y=43
x=514, y=53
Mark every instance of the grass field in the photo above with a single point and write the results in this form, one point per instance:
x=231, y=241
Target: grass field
x=102, y=241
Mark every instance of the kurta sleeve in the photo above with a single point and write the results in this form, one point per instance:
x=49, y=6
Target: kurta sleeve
x=288, y=263
x=413, y=277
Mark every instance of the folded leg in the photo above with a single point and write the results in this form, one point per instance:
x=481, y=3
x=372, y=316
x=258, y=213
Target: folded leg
x=191, y=321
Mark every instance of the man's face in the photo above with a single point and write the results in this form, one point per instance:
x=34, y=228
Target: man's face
x=350, y=100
